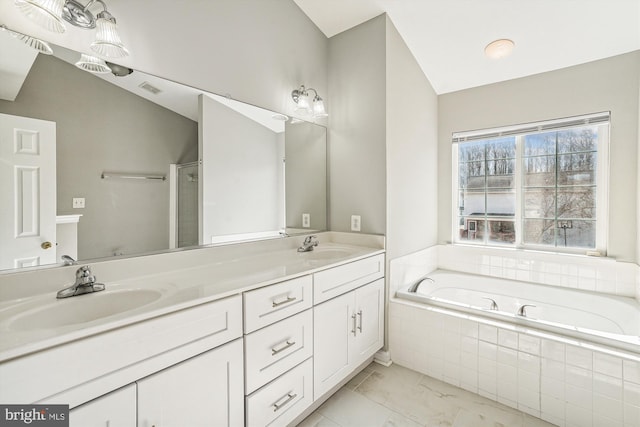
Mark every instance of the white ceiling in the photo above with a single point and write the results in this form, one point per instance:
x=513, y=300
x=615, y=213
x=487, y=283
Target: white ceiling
x=447, y=37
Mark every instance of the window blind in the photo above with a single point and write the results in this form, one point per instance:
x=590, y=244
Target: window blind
x=529, y=128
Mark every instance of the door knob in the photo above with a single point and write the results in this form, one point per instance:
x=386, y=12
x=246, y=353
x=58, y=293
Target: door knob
x=45, y=245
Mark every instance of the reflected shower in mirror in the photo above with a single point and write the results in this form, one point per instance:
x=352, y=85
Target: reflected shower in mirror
x=232, y=171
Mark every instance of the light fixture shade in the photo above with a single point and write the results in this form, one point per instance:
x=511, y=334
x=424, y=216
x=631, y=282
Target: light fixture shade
x=107, y=42
x=318, y=108
x=92, y=64
x=46, y=13
x=304, y=104
x=34, y=43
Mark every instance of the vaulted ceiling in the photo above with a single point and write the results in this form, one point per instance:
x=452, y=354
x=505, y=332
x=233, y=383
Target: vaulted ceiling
x=448, y=37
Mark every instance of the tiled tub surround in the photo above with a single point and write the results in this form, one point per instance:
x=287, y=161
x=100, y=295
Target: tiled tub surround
x=596, y=274
x=563, y=380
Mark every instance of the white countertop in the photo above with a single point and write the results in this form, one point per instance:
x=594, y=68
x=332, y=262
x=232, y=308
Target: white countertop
x=180, y=288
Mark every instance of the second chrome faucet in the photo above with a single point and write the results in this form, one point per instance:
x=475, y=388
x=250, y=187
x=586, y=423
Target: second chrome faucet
x=85, y=283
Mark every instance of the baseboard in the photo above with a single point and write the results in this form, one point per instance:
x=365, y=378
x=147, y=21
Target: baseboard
x=383, y=358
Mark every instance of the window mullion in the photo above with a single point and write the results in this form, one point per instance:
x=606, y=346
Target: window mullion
x=519, y=170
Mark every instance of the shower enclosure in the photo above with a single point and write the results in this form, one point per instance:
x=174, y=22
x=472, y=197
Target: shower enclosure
x=183, y=205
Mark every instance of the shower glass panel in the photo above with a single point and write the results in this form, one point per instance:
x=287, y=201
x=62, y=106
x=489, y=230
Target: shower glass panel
x=187, y=209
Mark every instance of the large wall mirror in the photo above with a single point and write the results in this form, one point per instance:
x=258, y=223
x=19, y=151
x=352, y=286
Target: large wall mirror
x=98, y=165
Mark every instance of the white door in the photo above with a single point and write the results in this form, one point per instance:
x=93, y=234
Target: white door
x=204, y=391
x=334, y=327
x=117, y=408
x=27, y=192
x=369, y=321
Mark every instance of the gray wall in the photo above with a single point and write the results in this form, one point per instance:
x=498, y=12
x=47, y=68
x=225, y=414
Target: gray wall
x=412, y=152
x=357, y=127
x=606, y=85
x=257, y=51
x=306, y=174
x=104, y=128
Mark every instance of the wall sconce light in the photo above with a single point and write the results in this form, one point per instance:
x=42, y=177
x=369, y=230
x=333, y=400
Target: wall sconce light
x=50, y=13
x=306, y=105
x=34, y=43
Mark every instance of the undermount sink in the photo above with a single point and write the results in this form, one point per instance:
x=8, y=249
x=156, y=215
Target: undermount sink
x=82, y=309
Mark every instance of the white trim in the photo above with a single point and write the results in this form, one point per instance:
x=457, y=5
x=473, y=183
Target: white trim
x=67, y=219
x=599, y=120
x=173, y=205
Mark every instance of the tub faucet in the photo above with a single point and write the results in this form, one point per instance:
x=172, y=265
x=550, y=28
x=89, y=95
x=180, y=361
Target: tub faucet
x=308, y=244
x=494, y=304
x=414, y=287
x=522, y=310
x=85, y=284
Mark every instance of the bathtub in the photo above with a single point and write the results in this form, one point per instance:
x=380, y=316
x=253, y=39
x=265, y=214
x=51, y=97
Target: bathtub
x=583, y=316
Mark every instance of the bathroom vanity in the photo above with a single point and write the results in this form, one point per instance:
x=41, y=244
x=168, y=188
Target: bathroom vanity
x=245, y=335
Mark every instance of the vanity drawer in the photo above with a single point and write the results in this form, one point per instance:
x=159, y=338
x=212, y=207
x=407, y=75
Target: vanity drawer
x=273, y=350
x=267, y=305
x=281, y=401
x=339, y=280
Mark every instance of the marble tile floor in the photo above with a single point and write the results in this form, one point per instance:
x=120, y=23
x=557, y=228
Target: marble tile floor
x=399, y=397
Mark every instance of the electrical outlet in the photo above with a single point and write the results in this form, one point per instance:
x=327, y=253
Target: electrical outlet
x=306, y=220
x=78, y=203
x=355, y=223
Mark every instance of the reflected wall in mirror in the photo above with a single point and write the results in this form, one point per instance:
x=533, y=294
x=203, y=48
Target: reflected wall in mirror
x=224, y=164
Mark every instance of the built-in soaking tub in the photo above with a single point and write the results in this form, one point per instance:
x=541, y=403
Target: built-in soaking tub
x=586, y=316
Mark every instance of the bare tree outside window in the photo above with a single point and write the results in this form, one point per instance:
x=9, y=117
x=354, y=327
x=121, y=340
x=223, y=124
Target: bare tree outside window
x=560, y=184
x=557, y=175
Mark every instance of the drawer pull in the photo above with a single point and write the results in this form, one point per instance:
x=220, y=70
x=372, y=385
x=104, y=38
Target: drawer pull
x=353, y=330
x=287, y=301
x=360, y=326
x=286, y=346
x=289, y=396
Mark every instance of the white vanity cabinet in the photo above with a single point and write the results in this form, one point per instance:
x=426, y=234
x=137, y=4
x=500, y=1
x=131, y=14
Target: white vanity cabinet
x=348, y=330
x=117, y=408
x=205, y=390
x=278, y=351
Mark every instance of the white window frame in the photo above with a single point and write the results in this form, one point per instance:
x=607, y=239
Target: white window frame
x=602, y=120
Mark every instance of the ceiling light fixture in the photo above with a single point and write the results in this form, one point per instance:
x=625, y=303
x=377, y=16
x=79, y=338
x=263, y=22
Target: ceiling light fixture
x=499, y=48
x=306, y=105
x=34, y=43
x=119, y=70
x=50, y=13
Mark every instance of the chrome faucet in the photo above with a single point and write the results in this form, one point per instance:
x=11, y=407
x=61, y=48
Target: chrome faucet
x=68, y=260
x=494, y=305
x=85, y=284
x=308, y=244
x=414, y=286
x=522, y=310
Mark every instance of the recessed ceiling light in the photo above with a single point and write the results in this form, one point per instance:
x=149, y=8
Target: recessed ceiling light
x=499, y=48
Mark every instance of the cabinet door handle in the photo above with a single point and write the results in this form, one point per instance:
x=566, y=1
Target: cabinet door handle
x=289, y=396
x=287, y=301
x=353, y=329
x=360, y=326
x=287, y=344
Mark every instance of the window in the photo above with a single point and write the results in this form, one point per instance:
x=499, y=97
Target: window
x=540, y=185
